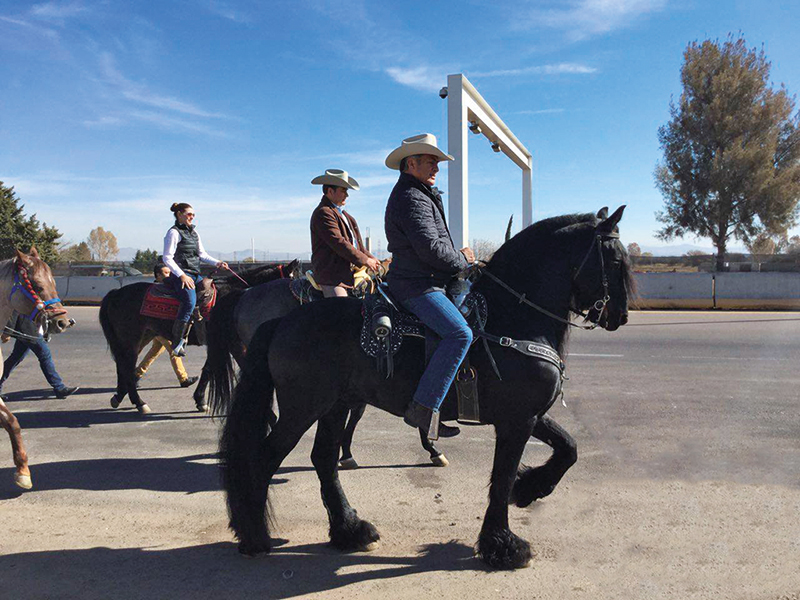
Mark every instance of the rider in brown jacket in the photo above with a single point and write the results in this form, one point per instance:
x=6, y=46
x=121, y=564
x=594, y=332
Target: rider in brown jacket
x=336, y=242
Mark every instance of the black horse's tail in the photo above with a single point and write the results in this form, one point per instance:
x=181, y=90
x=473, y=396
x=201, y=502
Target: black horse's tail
x=242, y=444
x=221, y=337
x=114, y=342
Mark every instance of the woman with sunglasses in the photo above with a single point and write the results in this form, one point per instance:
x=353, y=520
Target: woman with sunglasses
x=183, y=253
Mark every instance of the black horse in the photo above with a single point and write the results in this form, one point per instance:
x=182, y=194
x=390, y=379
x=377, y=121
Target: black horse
x=562, y=264
x=234, y=321
x=128, y=332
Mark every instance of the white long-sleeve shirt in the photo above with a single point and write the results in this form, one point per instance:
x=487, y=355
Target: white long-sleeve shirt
x=171, y=244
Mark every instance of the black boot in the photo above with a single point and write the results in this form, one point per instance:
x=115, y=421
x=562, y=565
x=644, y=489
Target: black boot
x=425, y=419
x=179, y=331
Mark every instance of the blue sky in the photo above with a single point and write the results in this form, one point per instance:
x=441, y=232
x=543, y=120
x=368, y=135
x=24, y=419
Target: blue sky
x=111, y=110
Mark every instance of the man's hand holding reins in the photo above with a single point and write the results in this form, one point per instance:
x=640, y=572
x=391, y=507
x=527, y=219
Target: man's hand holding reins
x=468, y=254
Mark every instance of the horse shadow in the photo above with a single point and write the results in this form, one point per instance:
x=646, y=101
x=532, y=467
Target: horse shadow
x=186, y=474
x=77, y=419
x=217, y=571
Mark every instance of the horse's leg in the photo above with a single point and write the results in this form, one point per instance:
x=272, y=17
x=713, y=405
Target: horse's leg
x=9, y=422
x=200, y=391
x=437, y=457
x=534, y=483
x=497, y=545
x=250, y=461
x=126, y=380
x=122, y=390
x=347, y=461
x=347, y=531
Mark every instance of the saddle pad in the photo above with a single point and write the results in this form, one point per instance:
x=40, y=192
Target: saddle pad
x=303, y=291
x=160, y=303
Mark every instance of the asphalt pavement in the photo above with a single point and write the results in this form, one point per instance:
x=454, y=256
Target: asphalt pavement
x=687, y=483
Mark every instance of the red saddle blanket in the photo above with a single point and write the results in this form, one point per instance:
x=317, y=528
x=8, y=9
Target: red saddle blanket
x=160, y=302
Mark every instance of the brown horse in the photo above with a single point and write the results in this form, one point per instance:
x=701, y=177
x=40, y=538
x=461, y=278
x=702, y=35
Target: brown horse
x=27, y=286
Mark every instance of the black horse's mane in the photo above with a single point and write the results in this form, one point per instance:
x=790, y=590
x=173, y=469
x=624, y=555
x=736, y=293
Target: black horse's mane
x=536, y=239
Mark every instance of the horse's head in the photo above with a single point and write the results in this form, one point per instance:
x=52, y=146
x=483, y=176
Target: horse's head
x=602, y=279
x=34, y=293
x=293, y=269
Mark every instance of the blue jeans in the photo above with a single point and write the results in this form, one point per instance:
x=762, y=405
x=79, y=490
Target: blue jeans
x=441, y=315
x=187, y=296
x=42, y=352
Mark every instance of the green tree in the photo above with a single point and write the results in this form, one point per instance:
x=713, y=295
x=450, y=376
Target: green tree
x=731, y=149
x=103, y=244
x=20, y=232
x=145, y=260
x=75, y=252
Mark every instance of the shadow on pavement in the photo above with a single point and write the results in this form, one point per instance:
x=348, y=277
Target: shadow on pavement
x=126, y=413
x=216, y=571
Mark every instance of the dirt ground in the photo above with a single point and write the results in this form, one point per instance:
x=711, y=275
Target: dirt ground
x=682, y=490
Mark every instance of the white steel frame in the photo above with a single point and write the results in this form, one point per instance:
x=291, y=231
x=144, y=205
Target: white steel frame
x=466, y=105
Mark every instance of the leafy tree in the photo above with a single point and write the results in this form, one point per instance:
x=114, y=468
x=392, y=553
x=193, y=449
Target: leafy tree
x=731, y=149
x=19, y=232
x=75, y=252
x=145, y=260
x=103, y=244
x=634, y=249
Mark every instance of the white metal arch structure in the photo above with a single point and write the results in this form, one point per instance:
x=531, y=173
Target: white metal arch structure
x=464, y=107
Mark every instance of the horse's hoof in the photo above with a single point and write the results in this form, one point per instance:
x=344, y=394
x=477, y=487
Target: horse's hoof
x=347, y=464
x=23, y=481
x=371, y=546
x=115, y=401
x=144, y=409
x=202, y=408
x=440, y=460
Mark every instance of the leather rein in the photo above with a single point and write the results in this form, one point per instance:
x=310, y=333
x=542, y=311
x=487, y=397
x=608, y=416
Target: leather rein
x=599, y=305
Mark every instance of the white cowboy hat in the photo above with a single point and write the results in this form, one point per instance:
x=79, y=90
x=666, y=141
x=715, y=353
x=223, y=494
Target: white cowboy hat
x=424, y=143
x=336, y=177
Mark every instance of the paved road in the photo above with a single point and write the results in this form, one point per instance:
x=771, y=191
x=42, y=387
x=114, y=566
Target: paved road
x=688, y=483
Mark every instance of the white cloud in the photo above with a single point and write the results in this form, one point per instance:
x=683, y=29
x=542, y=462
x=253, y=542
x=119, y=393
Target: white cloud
x=175, y=124
x=557, y=69
x=58, y=10
x=106, y=121
x=582, y=19
x=427, y=79
x=226, y=11
x=140, y=93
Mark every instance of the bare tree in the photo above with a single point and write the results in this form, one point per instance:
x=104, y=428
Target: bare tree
x=484, y=249
x=103, y=244
x=634, y=249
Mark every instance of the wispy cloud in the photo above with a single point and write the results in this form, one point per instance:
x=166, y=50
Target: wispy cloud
x=105, y=121
x=140, y=93
x=557, y=69
x=58, y=10
x=366, y=158
x=45, y=31
x=425, y=78
x=229, y=12
x=176, y=124
x=582, y=19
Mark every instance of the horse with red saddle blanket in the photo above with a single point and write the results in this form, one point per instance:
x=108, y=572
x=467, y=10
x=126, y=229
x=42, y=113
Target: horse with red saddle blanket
x=135, y=314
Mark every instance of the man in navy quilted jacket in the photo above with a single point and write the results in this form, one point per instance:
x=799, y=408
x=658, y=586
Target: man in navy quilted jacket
x=424, y=259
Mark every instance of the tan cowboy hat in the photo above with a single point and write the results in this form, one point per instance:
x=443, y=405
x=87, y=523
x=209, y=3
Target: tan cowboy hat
x=424, y=143
x=336, y=177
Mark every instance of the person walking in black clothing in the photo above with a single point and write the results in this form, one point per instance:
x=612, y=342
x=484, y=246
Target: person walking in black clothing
x=33, y=340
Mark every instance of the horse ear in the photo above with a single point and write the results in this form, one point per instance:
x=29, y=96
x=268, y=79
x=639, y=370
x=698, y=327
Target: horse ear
x=34, y=252
x=24, y=259
x=608, y=224
x=602, y=213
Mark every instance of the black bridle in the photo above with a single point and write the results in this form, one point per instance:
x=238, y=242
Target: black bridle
x=599, y=305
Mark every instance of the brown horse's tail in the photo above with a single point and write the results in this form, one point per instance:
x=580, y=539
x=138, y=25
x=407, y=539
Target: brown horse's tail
x=242, y=446
x=222, y=341
x=114, y=342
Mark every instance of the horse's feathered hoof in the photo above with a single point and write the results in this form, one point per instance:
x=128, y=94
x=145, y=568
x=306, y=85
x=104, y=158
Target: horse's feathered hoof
x=355, y=536
x=143, y=409
x=253, y=550
x=348, y=464
x=440, y=460
x=371, y=546
x=503, y=549
x=23, y=481
x=115, y=401
x=202, y=407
